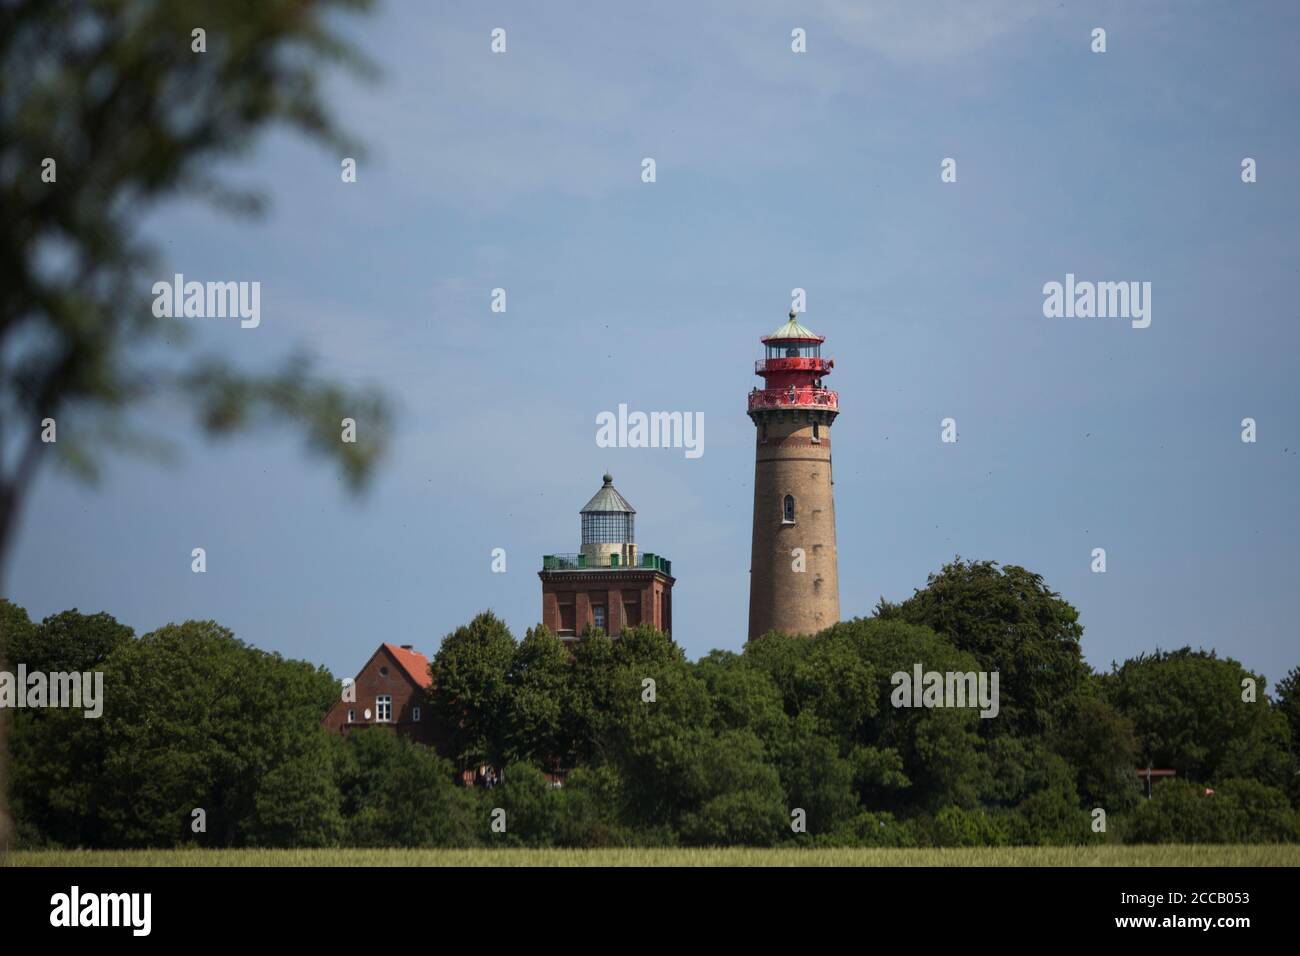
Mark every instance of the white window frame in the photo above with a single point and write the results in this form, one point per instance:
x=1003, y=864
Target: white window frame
x=384, y=705
x=352, y=715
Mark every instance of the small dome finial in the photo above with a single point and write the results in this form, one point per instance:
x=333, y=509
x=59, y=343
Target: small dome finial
x=792, y=313
x=609, y=479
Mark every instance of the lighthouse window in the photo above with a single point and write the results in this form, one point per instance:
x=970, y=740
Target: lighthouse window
x=787, y=510
x=780, y=350
x=608, y=528
x=598, y=616
x=817, y=431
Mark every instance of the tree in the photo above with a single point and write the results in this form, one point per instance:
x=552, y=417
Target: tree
x=399, y=793
x=538, y=682
x=470, y=694
x=592, y=696
x=1187, y=709
x=534, y=809
x=608, y=683
x=1237, y=811
x=593, y=808
x=297, y=801
x=132, y=115
x=661, y=746
x=745, y=696
x=922, y=758
x=41, y=744
x=193, y=719
x=816, y=777
x=17, y=632
x=1013, y=624
x=824, y=678
x=15, y=627
x=1050, y=815
x=739, y=800
x=1100, y=743
x=71, y=641
x=116, y=96
x=1288, y=705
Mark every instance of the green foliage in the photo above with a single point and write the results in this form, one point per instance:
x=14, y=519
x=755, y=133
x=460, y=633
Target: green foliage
x=534, y=809
x=1288, y=704
x=939, y=749
x=872, y=830
x=649, y=748
x=1238, y=811
x=737, y=797
x=470, y=695
x=1013, y=624
x=1050, y=815
x=743, y=696
x=954, y=826
x=298, y=802
x=538, y=682
x=193, y=718
x=1100, y=743
x=398, y=793
x=68, y=641
x=590, y=817
x=16, y=632
x=114, y=93
x=825, y=679
x=592, y=697
x=1187, y=710
x=816, y=778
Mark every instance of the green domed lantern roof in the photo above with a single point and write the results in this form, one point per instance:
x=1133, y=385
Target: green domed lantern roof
x=793, y=331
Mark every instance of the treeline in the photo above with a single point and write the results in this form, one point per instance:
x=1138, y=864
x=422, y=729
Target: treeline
x=793, y=734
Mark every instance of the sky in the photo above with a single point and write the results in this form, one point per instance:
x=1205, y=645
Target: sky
x=775, y=170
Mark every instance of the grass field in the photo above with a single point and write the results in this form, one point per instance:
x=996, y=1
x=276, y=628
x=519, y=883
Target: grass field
x=1268, y=855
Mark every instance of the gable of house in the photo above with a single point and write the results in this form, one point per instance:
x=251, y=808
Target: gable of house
x=390, y=690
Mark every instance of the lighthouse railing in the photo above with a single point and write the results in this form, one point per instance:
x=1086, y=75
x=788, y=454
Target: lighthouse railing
x=794, y=396
x=792, y=364
x=576, y=561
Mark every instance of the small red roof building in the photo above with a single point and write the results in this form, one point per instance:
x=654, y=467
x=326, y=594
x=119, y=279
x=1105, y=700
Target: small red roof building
x=391, y=690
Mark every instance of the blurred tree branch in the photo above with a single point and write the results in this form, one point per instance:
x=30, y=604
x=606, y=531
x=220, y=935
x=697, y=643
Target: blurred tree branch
x=114, y=94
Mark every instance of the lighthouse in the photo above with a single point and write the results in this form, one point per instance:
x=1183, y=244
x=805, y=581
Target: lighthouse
x=609, y=583
x=793, y=573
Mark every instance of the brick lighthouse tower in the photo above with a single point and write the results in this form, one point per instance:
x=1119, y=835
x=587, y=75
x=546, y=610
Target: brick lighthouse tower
x=794, y=582
x=609, y=584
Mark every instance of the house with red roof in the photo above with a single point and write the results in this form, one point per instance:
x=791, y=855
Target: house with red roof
x=391, y=690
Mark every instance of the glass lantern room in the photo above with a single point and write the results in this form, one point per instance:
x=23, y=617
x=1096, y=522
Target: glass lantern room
x=608, y=518
x=608, y=528
x=780, y=350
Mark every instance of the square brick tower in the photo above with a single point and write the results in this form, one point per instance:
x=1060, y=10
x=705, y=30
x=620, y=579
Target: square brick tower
x=607, y=583
x=794, y=583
